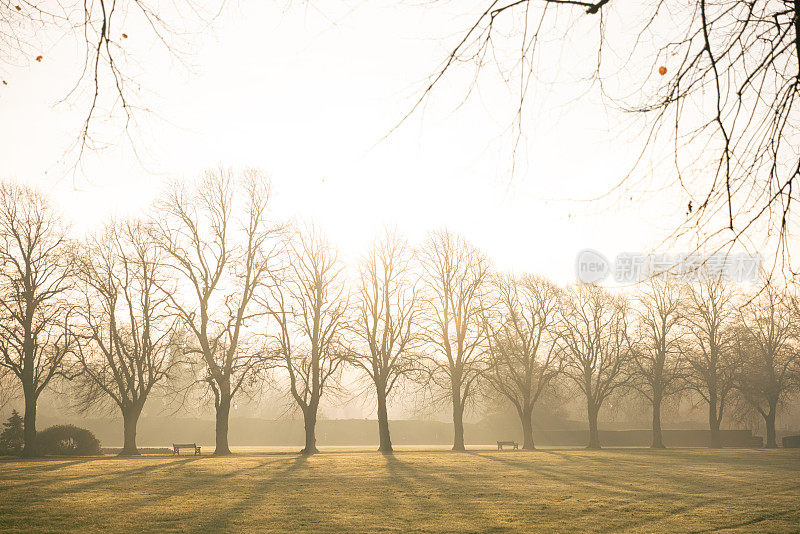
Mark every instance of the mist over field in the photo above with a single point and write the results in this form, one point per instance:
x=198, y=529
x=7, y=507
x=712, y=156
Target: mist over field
x=348, y=266
x=258, y=426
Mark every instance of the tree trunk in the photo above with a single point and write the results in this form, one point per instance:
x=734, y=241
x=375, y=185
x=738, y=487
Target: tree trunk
x=310, y=421
x=713, y=424
x=594, y=434
x=526, y=416
x=658, y=440
x=223, y=412
x=383, y=423
x=29, y=431
x=769, y=420
x=130, y=418
x=458, y=421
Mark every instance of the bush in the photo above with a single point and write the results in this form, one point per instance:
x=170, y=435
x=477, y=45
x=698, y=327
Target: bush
x=67, y=440
x=11, y=438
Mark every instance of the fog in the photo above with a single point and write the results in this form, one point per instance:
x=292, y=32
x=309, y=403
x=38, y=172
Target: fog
x=349, y=266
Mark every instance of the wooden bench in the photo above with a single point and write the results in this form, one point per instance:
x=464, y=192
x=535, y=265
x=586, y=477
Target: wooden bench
x=500, y=445
x=176, y=448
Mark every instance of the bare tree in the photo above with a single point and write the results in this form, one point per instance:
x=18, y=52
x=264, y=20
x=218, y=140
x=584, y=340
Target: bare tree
x=35, y=314
x=711, y=319
x=129, y=342
x=452, y=322
x=595, y=334
x=658, y=369
x=218, y=241
x=106, y=84
x=523, y=334
x=308, y=302
x=9, y=386
x=716, y=82
x=386, y=322
x=766, y=349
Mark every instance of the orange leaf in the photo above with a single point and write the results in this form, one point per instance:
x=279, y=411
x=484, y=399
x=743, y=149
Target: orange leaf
x=39, y=59
x=662, y=70
x=124, y=35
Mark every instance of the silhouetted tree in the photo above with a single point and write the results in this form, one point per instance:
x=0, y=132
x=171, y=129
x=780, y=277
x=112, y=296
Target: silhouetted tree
x=218, y=242
x=452, y=322
x=595, y=334
x=711, y=319
x=766, y=350
x=308, y=302
x=8, y=386
x=129, y=341
x=386, y=322
x=524, y=356
x=658, y=369
x=105, y=85
x=717, y=82
x=35, y=275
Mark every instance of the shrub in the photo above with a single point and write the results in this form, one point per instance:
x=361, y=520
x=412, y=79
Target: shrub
x=11, y=438
x=67, y=440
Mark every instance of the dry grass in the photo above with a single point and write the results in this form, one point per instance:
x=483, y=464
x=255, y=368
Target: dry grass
x=576, y=490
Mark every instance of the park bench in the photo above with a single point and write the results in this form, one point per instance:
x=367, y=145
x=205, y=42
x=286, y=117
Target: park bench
x=176, y=448
x=500, y=445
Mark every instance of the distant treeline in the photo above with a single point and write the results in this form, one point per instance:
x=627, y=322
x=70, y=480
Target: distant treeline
x=207, y=298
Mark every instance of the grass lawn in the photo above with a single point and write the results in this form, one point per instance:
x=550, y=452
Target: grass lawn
x=569, y=490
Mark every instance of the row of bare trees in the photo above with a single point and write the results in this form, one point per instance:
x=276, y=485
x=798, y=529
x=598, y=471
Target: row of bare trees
x=700, y=339
x=209, y=294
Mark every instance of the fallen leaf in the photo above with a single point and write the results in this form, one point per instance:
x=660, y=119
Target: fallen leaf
x=39, y=59
x=4, y=82
x=124, y=35
x=662, y=70
x=18, y=8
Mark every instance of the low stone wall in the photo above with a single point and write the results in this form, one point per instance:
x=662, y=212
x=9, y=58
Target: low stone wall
x=791, y=442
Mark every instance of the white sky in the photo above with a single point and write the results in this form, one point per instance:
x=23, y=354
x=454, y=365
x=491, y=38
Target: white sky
x=307, y=93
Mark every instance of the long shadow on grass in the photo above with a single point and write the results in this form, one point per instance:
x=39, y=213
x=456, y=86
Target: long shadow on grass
x=681, y=478
x=251, y=497
x=567, y=477
x=754, y=521
x=696, y=463
x=610, y=487
x=145, y=497
x=23, y=466
x=452, y=496
x=89, y=481
x=568, y=481
x=624, y=490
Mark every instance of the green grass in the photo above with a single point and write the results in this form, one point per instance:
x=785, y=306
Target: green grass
x=634, y=490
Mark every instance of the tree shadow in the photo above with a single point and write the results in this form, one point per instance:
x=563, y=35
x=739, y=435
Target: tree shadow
x=753, y=521
x=448, y=496
x=225, y=517
x=92, y=480
x=638, y=491
x=49, y=464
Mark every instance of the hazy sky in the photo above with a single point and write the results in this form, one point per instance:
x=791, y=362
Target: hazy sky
x=308, y=93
